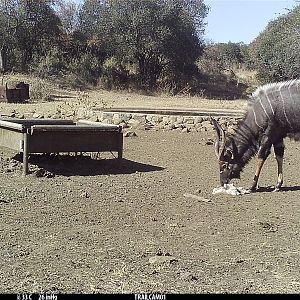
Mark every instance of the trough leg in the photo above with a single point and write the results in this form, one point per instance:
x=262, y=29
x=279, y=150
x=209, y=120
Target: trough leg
x=120, y=151
x=25, y=153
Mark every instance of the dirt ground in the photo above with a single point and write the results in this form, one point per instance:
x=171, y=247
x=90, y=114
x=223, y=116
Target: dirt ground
x=76, y=225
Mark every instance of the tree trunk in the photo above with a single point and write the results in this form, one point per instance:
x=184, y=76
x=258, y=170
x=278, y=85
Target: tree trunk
x=3, y=58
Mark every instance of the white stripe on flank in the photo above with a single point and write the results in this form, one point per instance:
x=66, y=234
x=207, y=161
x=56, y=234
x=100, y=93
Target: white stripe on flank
x=264, y=108
x=256, y=119
x=281, y=86
x=269, y=102
x=291, y=97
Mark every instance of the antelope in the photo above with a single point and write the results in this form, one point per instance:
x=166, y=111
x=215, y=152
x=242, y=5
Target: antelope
x=273, y=114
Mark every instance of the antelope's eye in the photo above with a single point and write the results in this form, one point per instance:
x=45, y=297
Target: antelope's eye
x=224, y=166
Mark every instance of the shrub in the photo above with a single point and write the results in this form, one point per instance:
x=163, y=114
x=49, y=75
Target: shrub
x=40, y=90
x=275, y=52
x=114, y=75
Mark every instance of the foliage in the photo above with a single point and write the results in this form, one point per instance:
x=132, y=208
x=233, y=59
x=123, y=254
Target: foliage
x=152, y=34
x=275, y=52
x=149, y=45
x=28, y=27
x=224, y=56
x=40, y=90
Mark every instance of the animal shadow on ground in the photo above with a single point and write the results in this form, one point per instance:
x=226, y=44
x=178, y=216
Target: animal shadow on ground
x=84, y=165
x=268, y=189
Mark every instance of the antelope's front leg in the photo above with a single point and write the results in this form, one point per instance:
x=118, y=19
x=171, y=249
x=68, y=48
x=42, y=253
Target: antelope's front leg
x=263, y=154
x=260, y=163
x=279, y=152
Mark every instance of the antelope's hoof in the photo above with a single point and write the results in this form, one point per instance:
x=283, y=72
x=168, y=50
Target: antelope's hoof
x=278, y=187
x=253, y=189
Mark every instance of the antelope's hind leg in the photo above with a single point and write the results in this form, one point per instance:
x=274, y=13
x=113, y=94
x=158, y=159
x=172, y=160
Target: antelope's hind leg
x=279, y=153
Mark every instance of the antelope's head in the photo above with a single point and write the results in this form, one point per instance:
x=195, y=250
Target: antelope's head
x=226, y=153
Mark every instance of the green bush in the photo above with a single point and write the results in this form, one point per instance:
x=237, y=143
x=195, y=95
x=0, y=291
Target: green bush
x=86, y=68
x=114, y=75
x=276, y=52
x=40, y=90
x=52, y=64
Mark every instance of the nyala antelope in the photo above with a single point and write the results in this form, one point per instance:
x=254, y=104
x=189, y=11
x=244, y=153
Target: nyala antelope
x=272, y=115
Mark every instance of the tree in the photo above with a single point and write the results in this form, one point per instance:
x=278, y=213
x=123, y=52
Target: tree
x=68, y=13
x=223, y=56
x=275, y=52
x=154, y=35
x=29, y=27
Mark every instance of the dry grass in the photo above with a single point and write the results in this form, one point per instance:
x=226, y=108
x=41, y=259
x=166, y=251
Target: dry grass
x=70, y=100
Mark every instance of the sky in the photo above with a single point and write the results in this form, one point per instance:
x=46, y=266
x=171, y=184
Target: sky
x=242, y=20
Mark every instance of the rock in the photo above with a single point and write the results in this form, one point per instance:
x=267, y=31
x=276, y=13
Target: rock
x=134, y=123
x=43, y=173
x=106, y=121
x=129, y=134
x=188, y=276
x=117, y=121
x=124, y=125
x=138, y=118
x=161, y=125
x=179, y=120
x=94, y=119
x=209, y=142
x=165, y=120
x=185, y=130
x=198, y=120
x=209, y=127
x=172, y=119
x=188, y=120
x=170, y=127
x=160, y=259
x=85, y=194
x=159, y=252
x=56, y=116
x=36, y=116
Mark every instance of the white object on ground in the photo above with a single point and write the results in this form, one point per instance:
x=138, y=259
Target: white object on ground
x=231, y=190
x=199, y=198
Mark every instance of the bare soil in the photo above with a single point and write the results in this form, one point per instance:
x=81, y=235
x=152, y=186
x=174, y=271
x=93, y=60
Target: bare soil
x=93, y=226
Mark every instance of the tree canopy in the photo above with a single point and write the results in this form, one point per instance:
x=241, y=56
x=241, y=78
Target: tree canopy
x=151, y=35
x=276, y=52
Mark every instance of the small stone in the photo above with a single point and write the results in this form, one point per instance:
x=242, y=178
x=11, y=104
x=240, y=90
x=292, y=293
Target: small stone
x=43, y=173
x=85, y=194
x=36, y=116
x=209, y=142
x=185, y=130
x=159, y=252
x=161, y=259
x=94, y=119
x=130, y=134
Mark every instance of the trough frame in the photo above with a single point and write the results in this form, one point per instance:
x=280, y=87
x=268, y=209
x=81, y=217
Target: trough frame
x=56, y=135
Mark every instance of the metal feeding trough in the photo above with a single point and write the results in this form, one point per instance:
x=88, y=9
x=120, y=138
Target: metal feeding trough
x=54, y=136
x=19, y=93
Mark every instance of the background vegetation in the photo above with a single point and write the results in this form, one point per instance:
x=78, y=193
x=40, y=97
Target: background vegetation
x=141, y=45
